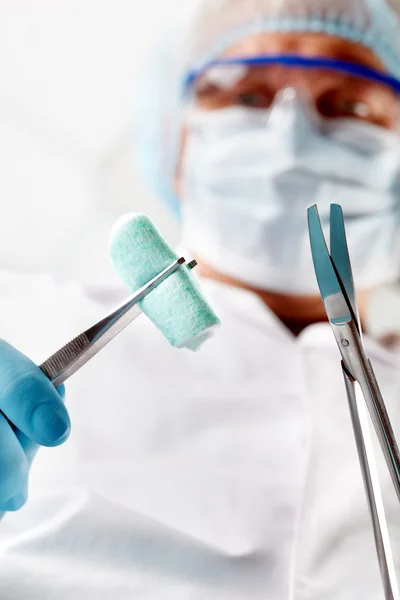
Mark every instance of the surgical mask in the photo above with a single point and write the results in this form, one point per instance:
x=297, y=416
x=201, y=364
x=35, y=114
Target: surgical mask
x=250, y=175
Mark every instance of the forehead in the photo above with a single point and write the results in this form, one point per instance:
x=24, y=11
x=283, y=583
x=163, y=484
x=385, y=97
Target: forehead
x=305, y=44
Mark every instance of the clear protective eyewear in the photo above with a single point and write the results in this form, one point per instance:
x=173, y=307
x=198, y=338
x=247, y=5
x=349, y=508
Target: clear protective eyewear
x=336, y=88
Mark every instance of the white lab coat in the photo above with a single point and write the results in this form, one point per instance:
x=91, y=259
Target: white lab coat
x=230, y=474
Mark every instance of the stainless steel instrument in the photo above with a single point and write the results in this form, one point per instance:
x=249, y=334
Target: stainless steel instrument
x=336, y=284
x=80, y=350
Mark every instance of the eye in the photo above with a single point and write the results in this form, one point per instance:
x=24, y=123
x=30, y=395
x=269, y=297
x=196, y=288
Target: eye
x=336, y=105
x=254, y=99
x=353, y=108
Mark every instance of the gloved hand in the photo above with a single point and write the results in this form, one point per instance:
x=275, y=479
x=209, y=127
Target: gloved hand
x=32, y=413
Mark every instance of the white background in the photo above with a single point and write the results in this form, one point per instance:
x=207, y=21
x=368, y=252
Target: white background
x=69, y=72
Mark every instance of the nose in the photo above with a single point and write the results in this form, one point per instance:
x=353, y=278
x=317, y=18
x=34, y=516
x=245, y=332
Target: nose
x=293, y=114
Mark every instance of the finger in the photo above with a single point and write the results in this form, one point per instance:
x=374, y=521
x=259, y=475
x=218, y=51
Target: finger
x=29, y=400
x=28, y=446
x=14, y=467
x=61, y=391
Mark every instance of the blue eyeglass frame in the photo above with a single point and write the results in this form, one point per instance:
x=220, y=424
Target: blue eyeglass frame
x=294, y=60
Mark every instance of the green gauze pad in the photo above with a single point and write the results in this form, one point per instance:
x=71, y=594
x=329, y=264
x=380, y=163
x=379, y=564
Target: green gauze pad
x=177, y=306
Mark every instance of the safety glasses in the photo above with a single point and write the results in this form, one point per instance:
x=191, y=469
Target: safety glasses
x=337, y=89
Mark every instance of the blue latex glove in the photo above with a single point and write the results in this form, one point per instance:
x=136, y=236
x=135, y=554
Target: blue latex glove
x=32, y=414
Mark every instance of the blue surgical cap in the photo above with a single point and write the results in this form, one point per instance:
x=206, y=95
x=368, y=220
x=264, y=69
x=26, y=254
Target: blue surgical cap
x=208, y=28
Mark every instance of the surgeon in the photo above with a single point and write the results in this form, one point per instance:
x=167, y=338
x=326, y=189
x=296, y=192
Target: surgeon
x=231, y=474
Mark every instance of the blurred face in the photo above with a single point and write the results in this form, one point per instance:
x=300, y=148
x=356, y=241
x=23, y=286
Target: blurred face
x=334, y=95
x=264, y=141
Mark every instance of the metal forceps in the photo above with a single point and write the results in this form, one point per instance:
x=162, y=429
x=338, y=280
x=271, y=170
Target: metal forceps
x=64, y=363
x=336, y=284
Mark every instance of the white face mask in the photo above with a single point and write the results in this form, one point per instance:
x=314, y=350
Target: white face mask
x=250, y=175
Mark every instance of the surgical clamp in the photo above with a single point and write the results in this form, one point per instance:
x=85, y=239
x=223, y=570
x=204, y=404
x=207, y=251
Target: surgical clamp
x=336, y=284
